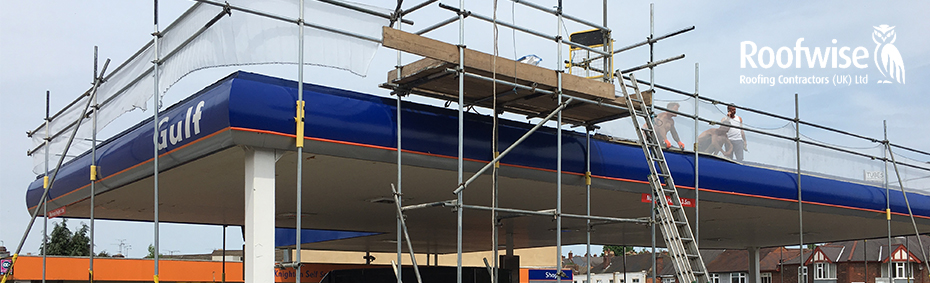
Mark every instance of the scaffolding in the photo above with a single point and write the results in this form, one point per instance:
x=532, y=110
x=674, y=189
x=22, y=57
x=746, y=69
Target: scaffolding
x=579, y=101
x=471, y=78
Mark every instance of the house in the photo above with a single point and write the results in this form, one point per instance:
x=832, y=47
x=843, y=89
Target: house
x=863, y=261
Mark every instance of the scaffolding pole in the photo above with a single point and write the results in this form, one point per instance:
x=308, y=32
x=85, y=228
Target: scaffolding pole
x=49, y=182
x=400, y=188
x=93, y=173
x=413, y=258
x=45, y=199
x=299, y=142
x=697, y=188
x=887, y=200
x=910, y=212
x=558, y=185
x=797, y=144
x=461, y=141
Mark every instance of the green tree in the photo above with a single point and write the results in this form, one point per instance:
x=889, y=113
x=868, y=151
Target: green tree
x=618, y=250
x=63, y=242
x=152, y=252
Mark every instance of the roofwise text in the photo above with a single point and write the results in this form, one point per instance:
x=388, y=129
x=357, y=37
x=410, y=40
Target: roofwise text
x=800, y=56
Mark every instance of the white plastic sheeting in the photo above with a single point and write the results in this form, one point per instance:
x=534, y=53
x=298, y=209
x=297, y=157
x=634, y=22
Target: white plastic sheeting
x=781, y=153
x=241, y=38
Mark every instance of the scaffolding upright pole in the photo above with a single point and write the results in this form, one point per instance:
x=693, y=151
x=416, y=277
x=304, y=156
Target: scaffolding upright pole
x=697, y=188
x=93, y=174
x=45, y=185
x=495, y=174
x=157, y=105
x=558, y=185
x=223, y=277
x=887, y=195
x=299, y=119
x=797, y=151
x=400, y=187
x=652, y=109
x=587, y=183
x=461, y=149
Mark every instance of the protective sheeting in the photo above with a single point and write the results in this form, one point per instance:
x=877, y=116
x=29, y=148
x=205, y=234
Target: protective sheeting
x=825, y=153
x=206, y=36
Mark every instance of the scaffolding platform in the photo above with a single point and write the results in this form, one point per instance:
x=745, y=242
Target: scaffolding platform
x=521, y=88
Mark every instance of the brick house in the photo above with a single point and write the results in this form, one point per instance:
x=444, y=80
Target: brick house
x=863, y=261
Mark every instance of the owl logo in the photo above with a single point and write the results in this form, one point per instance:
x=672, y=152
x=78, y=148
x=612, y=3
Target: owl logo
x=887, y=58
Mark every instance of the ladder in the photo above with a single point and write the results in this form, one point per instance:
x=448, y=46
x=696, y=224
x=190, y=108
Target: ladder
x=671, y=218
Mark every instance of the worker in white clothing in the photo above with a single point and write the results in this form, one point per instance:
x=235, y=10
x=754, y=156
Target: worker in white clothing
x=736, y=135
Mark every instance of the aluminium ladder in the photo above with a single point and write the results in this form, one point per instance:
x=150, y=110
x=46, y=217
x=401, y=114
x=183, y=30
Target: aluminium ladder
x=671, y=217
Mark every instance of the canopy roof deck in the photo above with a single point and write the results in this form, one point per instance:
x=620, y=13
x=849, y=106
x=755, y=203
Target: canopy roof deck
x=350, y=164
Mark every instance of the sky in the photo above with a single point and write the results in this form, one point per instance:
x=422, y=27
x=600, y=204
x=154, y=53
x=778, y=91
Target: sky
x=48, y=46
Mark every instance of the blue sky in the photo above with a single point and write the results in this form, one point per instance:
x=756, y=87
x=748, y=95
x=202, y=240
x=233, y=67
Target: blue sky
x=48, y=45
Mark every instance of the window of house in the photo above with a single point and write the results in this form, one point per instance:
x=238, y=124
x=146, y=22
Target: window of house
x=714, y=278
x=902, y=270
x=668, y=280
x=766, y=277
x=635, y=280
x=737, y=277
x=824, y=270
x=611, y=281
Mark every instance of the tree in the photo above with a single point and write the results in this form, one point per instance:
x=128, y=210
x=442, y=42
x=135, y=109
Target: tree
x=152, y=252
x=103, y=253
x=618, y=250
x=64, y=242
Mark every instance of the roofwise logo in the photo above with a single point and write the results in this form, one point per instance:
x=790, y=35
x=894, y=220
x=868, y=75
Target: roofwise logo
x=835, y=64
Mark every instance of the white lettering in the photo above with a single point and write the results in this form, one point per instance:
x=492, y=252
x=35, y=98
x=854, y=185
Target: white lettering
x=187, y=124
x=798, y=49
x=843, y=51
x=177, y=132
x=746, y=57
x=819, y=57
x=778, y=57
x=771, y=57
x=856, y=57
x=197, y=117
x=163, y=140
x=175, y=138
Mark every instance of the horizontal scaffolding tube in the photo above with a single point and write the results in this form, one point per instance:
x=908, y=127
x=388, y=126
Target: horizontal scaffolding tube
x=647, y=41
x=427, y=205
x=526, y=30
x=556, y=13
x=511, y=147
x=363, y=10
x=417, y=7
x=551, y=213
x=437, y=25
x=650, y=65
x=654, y=40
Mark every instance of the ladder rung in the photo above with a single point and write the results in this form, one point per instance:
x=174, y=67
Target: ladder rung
x=693, y=256
x=687, y=239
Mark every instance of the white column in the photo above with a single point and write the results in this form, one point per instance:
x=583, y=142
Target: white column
x=259, y=215
x=754, y=275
